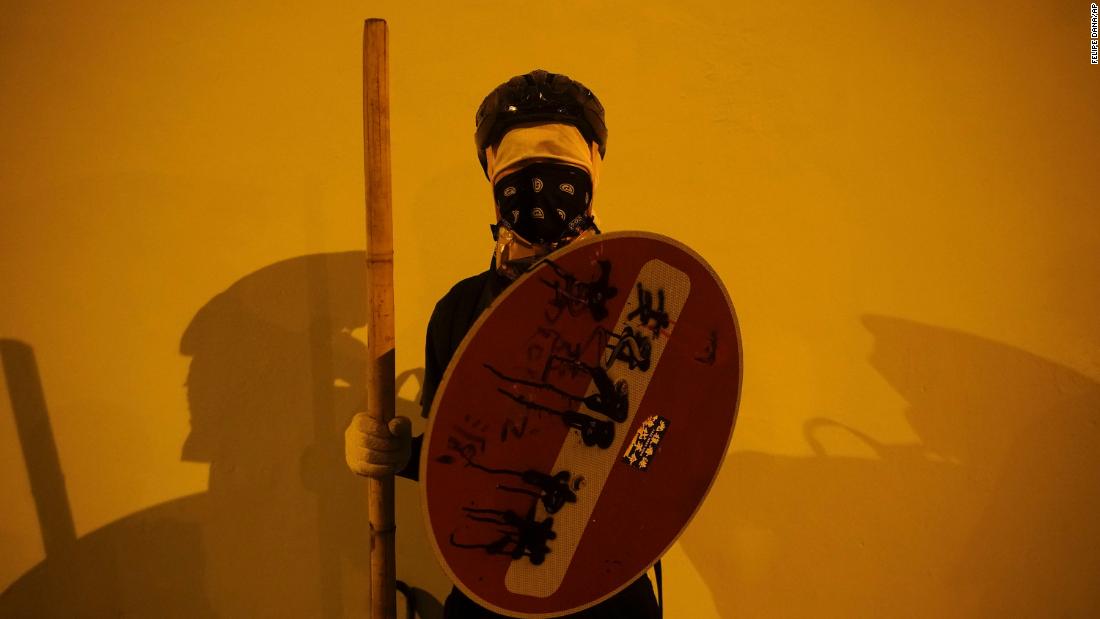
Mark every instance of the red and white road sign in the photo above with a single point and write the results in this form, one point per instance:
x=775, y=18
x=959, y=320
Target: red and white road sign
x=581, y=423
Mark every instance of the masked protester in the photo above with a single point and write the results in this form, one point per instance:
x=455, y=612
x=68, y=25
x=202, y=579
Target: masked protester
x=541, y=139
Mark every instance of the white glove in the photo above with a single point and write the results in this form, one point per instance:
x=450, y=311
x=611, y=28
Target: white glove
x=374, y=450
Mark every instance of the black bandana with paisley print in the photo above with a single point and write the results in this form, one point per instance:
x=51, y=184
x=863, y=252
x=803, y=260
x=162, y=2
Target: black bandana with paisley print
x=545, y=202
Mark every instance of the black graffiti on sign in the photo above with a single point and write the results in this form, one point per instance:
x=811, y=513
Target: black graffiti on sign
x=574, y=296
x=594, y=432
x=553, y=491
x=646, y=313
x=475, y=423
x=466, y=448
x=547, y=341
x=710, y=351
x=629, y=346
x=611, y=398
x=511, y=428
x=523, y=536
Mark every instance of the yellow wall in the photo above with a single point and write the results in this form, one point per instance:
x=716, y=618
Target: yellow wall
x=901, y=198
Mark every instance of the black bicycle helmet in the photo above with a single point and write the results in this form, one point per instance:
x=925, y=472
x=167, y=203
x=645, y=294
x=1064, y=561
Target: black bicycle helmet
x=534, y=97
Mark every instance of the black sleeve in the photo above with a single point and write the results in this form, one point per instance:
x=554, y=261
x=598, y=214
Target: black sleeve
x=437, y=354
x=451, y=319
x=435, y=361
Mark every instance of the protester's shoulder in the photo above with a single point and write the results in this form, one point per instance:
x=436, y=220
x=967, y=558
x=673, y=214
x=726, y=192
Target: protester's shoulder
x=462, y=293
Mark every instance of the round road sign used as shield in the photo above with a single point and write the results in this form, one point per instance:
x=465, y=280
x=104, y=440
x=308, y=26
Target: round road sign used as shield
x=580, y=424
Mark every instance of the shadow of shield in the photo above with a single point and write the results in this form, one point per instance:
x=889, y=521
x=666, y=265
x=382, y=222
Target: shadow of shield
x=989, y=513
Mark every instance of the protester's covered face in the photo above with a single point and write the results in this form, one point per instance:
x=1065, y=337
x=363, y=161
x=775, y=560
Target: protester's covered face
x=544, y=176
x=544, y=202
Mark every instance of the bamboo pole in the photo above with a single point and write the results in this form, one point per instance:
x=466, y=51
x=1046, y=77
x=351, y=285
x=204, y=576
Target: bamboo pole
x=380, y=337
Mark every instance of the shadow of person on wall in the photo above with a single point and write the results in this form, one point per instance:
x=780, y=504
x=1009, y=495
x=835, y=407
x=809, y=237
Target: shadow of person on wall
x=988, y=514
x=274, y=377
